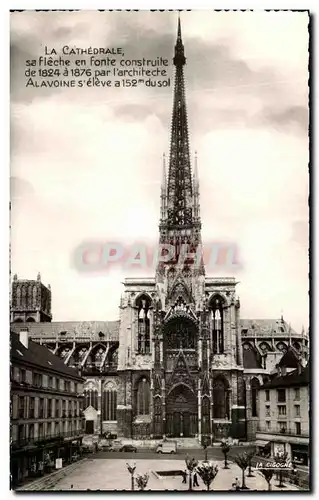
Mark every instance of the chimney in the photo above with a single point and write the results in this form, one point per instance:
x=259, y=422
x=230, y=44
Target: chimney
x=24, y=337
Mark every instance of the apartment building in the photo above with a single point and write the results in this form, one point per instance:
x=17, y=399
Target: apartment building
x=46, y=409
x=284, y=414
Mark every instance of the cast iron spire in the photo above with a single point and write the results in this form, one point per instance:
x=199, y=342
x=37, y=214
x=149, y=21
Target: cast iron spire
x=180, y=224
x=179, y=187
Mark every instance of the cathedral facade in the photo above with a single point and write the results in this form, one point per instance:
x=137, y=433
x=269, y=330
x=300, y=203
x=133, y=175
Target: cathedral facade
x=180, y=362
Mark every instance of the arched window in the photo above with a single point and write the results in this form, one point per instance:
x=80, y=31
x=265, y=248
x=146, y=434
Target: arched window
x=180, y=333
x=217, y=319
x=110, y=403
x=143, y=305
x=91, y=398
x=220, y=395
x=254, y=396
x=143, y=397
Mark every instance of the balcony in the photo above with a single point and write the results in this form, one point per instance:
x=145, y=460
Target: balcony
x=289, y=432
x=95, y=368
x=40, y=440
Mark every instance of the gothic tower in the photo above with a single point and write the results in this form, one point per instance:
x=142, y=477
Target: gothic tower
x=180, y=363
x=30, y=301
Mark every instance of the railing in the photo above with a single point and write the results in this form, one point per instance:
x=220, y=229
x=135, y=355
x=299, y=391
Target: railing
x=20, y=443
x=255, y=332
x=96, y=368
x=27, y=385
x=281, y=431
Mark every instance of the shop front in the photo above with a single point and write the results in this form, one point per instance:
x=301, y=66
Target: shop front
x=263, y=448
x=300, y=454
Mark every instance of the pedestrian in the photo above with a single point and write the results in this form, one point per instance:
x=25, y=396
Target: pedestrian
x=184, y=474
x=71, y=486
x=237, y=483
x=195, y=480
x=233, y=487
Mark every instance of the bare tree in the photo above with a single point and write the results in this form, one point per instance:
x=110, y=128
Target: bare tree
x=242, y=461
x=131, y=468
x=207, y=472
x=250, y=455
x=141, y=481
x=191, y=464
x=281, y=458
x=225, y=450
x=268, y=474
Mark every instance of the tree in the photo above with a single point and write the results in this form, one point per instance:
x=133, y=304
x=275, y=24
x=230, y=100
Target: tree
x=268, y=474
x=280, y=458
x=225, y=450
x=205, y=443
x=191, y=464
x=250, y=455
x=141, y=481
x=207, y=472
x=131, y=469
x=242, y=461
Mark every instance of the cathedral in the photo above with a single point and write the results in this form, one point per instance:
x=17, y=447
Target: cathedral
x=180, y=362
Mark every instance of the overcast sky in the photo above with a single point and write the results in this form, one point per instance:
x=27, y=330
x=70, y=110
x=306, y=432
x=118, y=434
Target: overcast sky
x=86, y=163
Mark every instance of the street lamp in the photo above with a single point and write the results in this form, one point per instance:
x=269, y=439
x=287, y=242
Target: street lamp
x=131, y=469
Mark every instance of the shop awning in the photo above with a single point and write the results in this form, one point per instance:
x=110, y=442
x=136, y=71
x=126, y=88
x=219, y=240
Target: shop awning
x=259, y=442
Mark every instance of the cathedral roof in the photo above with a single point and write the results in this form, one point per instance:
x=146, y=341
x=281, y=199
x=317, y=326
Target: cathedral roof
x=266, y=328
x=39, y=356
x=295, y=378
x=77, y=329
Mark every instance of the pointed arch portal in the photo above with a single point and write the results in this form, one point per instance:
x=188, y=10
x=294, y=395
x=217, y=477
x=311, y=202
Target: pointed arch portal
x=181, y=412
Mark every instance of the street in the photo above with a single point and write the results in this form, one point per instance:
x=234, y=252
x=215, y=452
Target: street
x=199, y=454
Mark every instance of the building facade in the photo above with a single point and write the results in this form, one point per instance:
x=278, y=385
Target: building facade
x=46, y=409
x=284, y=413
x=180, y=362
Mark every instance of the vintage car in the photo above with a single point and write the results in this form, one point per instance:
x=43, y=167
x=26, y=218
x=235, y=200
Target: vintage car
x=167, y=447
x=128, y=448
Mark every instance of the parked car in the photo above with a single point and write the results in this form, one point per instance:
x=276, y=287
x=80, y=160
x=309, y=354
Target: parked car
x=88, y=444
x=103, y=444
x=128, y=448
x=110, y=435
x=167, y=447
x=116, y=445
